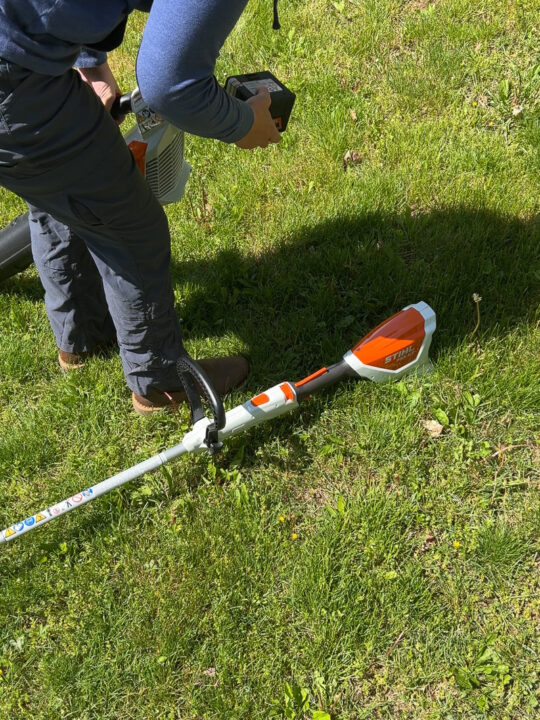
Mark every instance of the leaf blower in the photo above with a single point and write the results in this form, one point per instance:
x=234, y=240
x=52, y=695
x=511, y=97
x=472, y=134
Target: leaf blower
x=158, y=149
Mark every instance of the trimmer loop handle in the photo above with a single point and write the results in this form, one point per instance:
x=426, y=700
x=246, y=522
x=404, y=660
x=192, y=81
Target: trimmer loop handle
x=189, y=373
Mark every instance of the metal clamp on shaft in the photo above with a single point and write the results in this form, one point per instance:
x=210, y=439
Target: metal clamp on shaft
x=193, y=379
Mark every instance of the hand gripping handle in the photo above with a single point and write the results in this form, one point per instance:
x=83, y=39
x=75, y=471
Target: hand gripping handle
x=190, y=373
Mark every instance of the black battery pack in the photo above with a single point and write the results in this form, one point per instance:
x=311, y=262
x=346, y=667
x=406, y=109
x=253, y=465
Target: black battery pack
x=245, y=86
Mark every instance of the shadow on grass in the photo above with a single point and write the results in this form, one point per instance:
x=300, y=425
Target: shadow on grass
x=23, y=284
x=307, y=302
x=310, y=299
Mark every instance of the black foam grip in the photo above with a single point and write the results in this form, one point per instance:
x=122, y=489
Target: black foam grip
x=333, y=374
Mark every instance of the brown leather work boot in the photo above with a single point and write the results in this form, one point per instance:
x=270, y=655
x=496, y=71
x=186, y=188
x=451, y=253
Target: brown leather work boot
x=73, y=361
x=225, y=373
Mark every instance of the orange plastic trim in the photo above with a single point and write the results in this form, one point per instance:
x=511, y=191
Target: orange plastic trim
x=393, y=343
x=138, y=150
x=260, y=399
x=311, y=377
x=287, y=391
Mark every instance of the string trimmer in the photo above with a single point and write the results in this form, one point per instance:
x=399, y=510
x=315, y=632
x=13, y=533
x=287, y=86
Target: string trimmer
x=397, y=346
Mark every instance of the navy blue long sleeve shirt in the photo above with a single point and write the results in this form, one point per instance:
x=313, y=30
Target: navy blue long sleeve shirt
x=175, y=65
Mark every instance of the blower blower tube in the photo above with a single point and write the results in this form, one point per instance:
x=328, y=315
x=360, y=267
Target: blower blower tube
x=15, y=250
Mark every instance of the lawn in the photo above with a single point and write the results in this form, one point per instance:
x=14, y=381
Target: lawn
x=376, y=554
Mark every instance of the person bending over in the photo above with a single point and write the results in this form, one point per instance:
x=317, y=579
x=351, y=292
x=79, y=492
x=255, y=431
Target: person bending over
x=100, y=239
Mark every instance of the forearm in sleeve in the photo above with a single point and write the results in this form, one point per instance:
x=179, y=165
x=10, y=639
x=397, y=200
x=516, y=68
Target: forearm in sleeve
x=175, y=67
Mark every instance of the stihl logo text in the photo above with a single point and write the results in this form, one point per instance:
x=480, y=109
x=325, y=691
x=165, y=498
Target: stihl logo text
x=400, y=355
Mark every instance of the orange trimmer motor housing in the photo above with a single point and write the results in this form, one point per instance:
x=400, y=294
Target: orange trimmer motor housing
x=398, y=341
x=397, y=346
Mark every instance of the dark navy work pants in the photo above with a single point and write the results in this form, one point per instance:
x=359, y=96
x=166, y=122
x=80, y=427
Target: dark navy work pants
x=100, y=239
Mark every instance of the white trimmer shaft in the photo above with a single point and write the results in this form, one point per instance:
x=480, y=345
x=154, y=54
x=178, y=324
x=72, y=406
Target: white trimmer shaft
x=275, y=401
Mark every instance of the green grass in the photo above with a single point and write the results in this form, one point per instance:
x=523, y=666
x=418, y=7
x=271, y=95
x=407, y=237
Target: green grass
x=339, y=560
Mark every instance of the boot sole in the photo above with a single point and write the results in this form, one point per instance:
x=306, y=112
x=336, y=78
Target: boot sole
x=150, y=410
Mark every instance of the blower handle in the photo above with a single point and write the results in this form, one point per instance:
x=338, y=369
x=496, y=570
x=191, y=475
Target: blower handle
x=190, y=373
x=121, y=106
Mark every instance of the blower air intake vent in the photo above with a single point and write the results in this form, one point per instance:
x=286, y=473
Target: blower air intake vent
x=162, y=172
